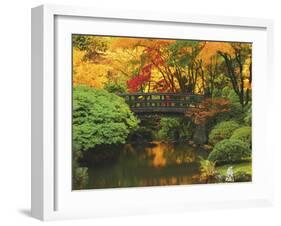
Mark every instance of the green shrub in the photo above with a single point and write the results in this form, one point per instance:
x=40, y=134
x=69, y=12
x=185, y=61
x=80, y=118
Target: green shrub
x=207, y=169
x=236, y=112
x=174, y=128
x=142, y=134
x=225, y=91
x=229, y=151
x=115, y=87
x=242, y=176
x=248, y=117
x=222, y=131
x=244, y=134
x=100, y=117
x=80, y=177
x=233, y=97
x=216, y=93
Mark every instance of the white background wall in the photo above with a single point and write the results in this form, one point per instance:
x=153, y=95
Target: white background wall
x=15, y=112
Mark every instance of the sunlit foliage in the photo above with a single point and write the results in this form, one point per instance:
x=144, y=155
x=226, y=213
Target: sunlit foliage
x=100, y=117
x=230, y=151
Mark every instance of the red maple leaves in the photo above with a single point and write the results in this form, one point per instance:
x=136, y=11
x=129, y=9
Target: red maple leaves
x=138, y=81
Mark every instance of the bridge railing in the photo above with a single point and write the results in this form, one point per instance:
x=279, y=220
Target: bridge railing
x=161, y=102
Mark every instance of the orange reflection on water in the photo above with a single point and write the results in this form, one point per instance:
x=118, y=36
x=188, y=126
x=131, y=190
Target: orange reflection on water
x=163, y=154
x=167, y=181
x=157, y=152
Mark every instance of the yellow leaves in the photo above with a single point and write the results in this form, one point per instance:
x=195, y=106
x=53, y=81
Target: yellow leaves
x=88, y=73
x=246, y=74
x=119, y=59
x=130, y=43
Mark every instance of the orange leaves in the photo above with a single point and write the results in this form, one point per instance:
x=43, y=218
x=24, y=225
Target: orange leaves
x=207, y=109
x=125, y=43
x=211, y=49
x=175, y=65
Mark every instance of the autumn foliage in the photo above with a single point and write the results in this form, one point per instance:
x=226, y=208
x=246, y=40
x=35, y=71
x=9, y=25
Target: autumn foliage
x=159, y=65
x=207, y=109
x=136, y=82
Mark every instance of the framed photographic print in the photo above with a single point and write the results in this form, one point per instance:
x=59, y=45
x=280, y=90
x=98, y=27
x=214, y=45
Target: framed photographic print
x=143, y=112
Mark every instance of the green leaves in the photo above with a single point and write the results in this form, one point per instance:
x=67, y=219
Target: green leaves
x=100, y=117
x=182, y=52
x=221, y=131
x=229, y=151
x=244, y=134
x=174, y=128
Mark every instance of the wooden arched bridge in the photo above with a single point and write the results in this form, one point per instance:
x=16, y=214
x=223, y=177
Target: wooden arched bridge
x=161, y=103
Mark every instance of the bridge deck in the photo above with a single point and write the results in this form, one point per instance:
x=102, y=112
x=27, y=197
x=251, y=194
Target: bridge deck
x=161, y=102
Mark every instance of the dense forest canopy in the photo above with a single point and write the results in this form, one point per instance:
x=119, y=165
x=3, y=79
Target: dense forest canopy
x=159, y=65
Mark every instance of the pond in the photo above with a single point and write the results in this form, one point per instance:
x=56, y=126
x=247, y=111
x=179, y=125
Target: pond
x=153, y=164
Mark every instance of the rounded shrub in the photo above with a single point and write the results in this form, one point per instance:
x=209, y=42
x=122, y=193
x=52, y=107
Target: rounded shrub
x=244, y=134
x=115, y=87
x=100, y=118
x=222, y=131
x=229, y=151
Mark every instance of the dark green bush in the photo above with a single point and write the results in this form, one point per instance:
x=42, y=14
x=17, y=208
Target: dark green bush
x=244, y=134
x=233, y=97
x=225, y=91
x=100, y=117
x=174, y=128
x=229, y=151
x=222, y=131
x=241, y=176
x=79, y=174
x=236, y=112
x=80, y=177
x=216, y=93
x=142, y=134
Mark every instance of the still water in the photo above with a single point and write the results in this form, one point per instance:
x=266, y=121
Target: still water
x=153, y=164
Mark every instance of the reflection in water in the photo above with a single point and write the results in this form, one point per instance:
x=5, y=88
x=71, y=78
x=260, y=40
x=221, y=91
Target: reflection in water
x=148, y=165
x=157, y=154
x=164, y=154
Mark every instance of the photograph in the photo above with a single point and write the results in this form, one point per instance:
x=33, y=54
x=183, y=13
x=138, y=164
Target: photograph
x=156, y=111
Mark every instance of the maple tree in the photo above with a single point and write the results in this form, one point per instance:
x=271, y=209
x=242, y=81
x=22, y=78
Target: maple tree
x=159, y=65
x=207, y=109
x=141, y=79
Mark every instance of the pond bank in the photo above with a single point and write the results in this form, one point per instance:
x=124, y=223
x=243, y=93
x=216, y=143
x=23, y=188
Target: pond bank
x=156, y=163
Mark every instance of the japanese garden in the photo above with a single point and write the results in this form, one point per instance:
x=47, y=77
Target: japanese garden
x=155, y=112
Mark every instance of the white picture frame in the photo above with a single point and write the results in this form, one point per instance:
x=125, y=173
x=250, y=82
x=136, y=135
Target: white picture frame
x=51, y=196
